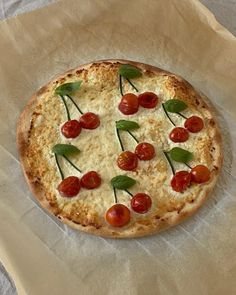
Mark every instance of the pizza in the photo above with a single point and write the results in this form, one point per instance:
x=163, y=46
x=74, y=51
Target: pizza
x=119, y=148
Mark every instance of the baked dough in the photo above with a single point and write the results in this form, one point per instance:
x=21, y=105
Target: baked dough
x=39, y=130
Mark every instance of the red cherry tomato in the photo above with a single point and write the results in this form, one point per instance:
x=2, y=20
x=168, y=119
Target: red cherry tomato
x=91, y=180
x=89, y=121
x=181, y=181
x=179, y=134
x=69, y=187
x=118, y=215
x=141, y=203
x=148, y=100
x=127, y=161
x=194, y=124
x=129, y=104
x=145, y=151
x=71, y=129
x=200, y=174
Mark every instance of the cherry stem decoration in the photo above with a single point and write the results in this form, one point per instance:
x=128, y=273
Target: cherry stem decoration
x=114, y=190
x=167, y=114
x=59, y=167
x=66, y=107
x=73, y=165
x=188, y=165
x=121, y=87
x=75, y=104
x=169, y=161
x=182, y=116
x=129, y=193
x=132, y=84
x=120, y=141
x=133, y=136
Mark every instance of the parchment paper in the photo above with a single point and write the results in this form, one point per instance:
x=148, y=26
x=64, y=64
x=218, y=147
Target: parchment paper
x=46, y=257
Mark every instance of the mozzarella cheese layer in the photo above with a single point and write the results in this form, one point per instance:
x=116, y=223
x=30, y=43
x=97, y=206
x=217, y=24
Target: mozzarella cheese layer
x=100, y=147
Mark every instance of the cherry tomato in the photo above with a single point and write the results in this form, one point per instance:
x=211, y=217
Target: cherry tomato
x=69, y=187
x=141, y=203
x=148, y=100
x=89, y=121
x=91, y=180
x=118, y=215
x=200, y=174
x=179, y=134
x=129, y=104
x=194, y=124
x=145, y=151
x=71, y=129
x=181, y=181
x=127, y=161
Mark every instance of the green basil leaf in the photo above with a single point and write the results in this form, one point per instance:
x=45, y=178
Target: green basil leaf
x=122, y=182
x=180, y=155
x=175, y=105
x=68, y=88
x=126, y=125
x=130, y=72
x=65, y=149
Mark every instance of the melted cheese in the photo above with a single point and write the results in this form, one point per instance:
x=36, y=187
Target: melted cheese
x=100, y=147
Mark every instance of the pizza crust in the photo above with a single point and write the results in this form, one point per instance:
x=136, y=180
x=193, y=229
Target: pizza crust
x=157, y=223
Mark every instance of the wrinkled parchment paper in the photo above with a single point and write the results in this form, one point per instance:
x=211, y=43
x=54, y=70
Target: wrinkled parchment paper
x=46, y=257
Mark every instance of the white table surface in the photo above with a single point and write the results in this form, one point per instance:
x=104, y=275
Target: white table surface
x=224, y=11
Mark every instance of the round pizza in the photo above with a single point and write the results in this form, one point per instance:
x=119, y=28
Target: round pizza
x=119, y=149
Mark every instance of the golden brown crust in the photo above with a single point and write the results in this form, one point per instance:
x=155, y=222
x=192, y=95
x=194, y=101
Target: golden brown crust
x=23, y=128
x=138, y=229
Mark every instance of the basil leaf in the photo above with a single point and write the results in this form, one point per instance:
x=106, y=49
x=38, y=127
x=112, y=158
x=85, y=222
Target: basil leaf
x=175, y=105
x=180, y=155
x=130, y=72
x=126, y=125
x=65, y=149
x=68, y=88
x=122, y=182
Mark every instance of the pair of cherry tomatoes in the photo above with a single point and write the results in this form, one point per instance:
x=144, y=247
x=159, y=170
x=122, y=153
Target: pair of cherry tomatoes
x=72, y=128
x=130, y=102
x=70, y=186
x=119, y=215
x=182, y=179
x=128, y=161
x=193, y=124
